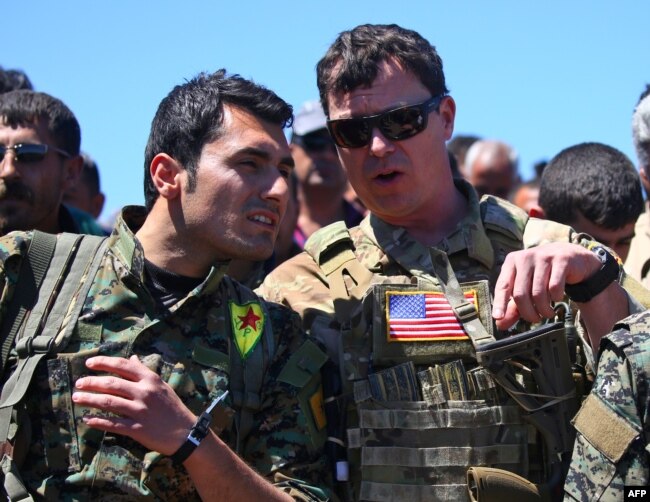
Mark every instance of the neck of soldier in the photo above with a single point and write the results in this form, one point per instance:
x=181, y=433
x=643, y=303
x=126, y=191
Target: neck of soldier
x=431, y=225
x=165, y=246
x=318, y=207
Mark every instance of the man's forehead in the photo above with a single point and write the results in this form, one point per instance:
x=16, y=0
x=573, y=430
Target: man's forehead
x=27, y=130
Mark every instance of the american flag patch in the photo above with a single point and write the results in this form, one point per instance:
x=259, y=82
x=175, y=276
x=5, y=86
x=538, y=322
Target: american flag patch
x=420, y=316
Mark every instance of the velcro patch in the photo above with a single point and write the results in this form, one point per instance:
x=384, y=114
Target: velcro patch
x=317, y=408
x=604, y=429
x=247, y=325
x=423, y=316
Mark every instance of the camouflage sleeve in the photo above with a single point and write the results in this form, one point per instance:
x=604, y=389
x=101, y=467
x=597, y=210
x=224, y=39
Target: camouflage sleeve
x=609, y=451
x=286, y=443
x=299, y=284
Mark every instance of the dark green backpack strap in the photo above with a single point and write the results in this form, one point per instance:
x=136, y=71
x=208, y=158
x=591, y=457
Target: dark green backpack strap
x=30, y=277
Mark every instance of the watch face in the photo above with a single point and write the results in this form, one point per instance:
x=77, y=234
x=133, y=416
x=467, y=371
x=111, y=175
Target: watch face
x=601, y=253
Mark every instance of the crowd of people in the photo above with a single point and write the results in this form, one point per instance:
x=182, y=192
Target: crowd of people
x=314, y=318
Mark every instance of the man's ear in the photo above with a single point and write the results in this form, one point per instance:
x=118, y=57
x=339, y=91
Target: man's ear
x=165, y=173
x=448, y=115
x=97, y=203
x=536, y=211
x=72, y=171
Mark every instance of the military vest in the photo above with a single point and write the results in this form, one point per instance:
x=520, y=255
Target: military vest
x=419, y=409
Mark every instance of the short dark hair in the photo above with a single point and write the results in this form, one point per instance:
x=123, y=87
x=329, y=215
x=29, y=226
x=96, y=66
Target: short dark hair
x=593, y=179
x=11, y=80
x=353, y=59
x=22, y=107
x=191, y=115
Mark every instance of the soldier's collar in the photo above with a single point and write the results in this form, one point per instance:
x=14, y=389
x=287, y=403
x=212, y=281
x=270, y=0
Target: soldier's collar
x=470, y=232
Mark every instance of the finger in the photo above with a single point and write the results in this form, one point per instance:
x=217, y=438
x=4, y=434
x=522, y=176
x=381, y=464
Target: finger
x=522, y=287
x=540, y=288
x=108, y=385
x=109, y=403
x=131, y=369
x=118, y=425
x=503, y=288
x=510, y=317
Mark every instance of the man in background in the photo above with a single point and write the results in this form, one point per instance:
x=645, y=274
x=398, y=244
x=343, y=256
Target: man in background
x=86, y=194
x=595, y=189
x=321, y=181
x=39, y=143
x=638, y=261
x=492, y=168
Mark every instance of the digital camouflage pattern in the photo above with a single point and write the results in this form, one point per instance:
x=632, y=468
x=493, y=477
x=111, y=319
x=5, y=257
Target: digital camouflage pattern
x=476, y=250
x=189, y=346
x=611, y=448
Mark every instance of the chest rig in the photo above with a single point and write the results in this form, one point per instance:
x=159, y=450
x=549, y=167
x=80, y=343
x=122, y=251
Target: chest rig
x=419, y=410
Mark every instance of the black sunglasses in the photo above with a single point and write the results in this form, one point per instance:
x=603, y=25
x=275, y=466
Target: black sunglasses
x=30, y=152
x=313, y=143
x=396, y=124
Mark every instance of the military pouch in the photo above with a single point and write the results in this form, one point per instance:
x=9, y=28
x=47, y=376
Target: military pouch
x=414, y=324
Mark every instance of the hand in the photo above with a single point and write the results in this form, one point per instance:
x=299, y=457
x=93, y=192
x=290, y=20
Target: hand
x=531, y=279
x=146, y=408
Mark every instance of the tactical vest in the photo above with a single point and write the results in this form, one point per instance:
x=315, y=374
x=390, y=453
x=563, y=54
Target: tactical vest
x=43, y=337
x=419, y=413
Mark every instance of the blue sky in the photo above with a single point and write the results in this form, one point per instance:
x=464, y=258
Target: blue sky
x=539, y=75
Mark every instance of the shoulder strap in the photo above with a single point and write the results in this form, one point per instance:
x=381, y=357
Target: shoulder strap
x=333, y=250
x=30, y=277
x=59, y=293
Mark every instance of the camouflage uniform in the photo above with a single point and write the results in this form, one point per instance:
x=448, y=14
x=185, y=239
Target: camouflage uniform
x=638, y=260
x=611, y=448
x=190, y=346
x=476, y=251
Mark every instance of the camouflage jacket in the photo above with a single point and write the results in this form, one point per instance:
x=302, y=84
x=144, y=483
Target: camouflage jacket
x=611, y=448
x=190, y=345
x=476, y=250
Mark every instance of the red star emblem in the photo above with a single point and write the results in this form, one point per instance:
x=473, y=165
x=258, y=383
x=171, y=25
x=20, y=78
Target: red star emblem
x=250, y=319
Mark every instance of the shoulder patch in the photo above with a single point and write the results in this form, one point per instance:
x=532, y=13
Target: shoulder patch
x=504, y=217
x=327, y=238
x=609, y=433
x=247, y=326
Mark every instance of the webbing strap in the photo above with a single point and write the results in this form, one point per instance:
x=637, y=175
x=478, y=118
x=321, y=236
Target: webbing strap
x=492, y=416
x=65, y=246
x=499, y=454
x=13, y=484
x=465, y=310
x=346, y=298
x=389, y=492
x=33, y=347
x=30, y=277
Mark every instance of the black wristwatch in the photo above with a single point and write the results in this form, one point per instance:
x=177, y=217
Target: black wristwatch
x=198, y=431
x=609, y=271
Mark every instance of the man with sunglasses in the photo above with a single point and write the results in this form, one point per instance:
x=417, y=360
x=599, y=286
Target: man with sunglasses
x=321, y=181
x=39, y=161
x=402, y=300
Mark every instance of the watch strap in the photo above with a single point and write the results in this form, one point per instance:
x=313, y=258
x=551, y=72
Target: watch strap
x=584, y=291
x=194, y=438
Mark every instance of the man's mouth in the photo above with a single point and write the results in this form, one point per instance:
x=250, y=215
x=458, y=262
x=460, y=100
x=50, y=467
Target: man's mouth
x=262, y=219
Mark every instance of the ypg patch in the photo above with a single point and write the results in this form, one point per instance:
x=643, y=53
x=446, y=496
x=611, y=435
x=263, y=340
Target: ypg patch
x=423, y=316
x=247, y=326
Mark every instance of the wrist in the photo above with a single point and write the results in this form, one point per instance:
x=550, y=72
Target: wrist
x=587, y=289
